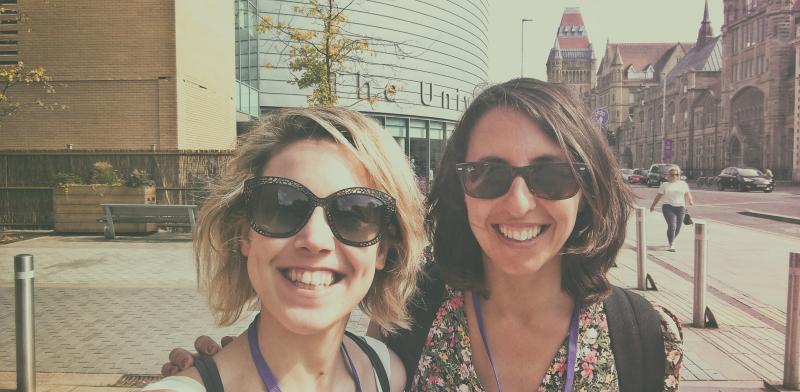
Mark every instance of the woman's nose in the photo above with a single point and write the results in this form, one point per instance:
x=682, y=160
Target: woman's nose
x=519, y=199
x=316, y=236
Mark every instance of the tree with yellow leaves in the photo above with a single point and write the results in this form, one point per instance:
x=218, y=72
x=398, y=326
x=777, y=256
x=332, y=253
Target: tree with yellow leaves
x=318, y=54
x=12, y=76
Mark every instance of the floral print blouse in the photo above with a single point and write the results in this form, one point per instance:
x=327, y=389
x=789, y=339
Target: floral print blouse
x=594, y=367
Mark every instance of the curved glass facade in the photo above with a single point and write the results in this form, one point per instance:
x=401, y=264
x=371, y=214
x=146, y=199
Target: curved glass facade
x=426, y=59
x=433, y=52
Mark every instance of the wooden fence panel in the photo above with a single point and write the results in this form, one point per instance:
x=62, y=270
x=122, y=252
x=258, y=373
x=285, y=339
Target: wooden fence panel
x=26, y=178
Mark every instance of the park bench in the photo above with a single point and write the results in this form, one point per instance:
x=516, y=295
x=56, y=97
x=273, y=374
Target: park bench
x=161, y=214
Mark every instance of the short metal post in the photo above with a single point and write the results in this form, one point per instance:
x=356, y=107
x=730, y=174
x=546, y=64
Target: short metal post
x=791, y=360
x=700, y=253
x=641, y=250
x=23, y=290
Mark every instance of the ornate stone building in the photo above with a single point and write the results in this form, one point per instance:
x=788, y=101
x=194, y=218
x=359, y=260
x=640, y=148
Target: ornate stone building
x=689, y=134
x=726, y=100
x=758, y=96
x=796, y=43
x=626, y=72
x=572, y=61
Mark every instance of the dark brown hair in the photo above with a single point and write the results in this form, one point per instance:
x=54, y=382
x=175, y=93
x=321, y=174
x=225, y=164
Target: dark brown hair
x=600, y=225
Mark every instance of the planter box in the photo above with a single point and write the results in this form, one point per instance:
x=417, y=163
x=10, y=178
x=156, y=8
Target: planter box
x=76, y=208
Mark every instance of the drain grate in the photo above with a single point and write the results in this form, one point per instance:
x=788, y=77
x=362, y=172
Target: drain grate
x=136, y=380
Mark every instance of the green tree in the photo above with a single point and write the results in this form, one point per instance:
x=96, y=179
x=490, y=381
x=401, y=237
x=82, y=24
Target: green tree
x=12, y=77
x=316, y=55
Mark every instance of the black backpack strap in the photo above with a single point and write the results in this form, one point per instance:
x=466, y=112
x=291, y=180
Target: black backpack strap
x=408, y=344
x=377, y=364
x=637, y=341
x=209, y=373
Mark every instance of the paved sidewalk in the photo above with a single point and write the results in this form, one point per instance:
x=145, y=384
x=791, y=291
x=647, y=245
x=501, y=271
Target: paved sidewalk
x=105, y=309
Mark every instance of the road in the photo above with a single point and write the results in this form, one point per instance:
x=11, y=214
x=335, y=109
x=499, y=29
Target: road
x=724, y=206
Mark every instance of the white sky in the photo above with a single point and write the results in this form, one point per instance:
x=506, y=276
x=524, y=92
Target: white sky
x=617, y=20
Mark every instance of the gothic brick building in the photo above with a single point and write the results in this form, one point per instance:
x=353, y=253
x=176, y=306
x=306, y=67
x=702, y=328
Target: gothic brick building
x=689, y=134
x=571, y=60
x=758, y=84
x=627, y=72
x=726, y=100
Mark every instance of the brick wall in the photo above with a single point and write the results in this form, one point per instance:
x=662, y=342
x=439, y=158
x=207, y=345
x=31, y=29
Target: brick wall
x=114, y=65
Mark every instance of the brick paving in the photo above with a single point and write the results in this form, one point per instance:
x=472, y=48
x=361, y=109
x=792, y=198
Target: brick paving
x=117, y=307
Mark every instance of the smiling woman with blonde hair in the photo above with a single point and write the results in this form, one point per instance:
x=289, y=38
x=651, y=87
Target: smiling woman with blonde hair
x=317, y=213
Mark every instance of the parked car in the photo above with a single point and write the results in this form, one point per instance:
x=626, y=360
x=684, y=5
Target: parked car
x=657, y=174
x=744, y=179
x=626, y=174
x=639, y=176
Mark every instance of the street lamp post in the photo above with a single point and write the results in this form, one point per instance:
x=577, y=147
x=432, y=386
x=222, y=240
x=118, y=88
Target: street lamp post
x=522, y=46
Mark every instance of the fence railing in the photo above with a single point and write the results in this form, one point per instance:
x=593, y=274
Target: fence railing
x=27, y=178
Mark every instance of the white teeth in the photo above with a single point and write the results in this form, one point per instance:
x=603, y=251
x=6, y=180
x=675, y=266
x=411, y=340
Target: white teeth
x=520, y=234
x=310, y=279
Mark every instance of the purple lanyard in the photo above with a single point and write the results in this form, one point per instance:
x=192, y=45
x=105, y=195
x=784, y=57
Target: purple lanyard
x=572, y=348
x=263, y=369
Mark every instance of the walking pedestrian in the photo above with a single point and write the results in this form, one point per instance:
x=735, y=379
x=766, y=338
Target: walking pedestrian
x=676, y=194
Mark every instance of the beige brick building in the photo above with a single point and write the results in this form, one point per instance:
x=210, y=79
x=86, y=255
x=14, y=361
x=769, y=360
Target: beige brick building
x=727, y=100
x=145, y=74
x=628, y=75
x=571, y=60
x=688, y=92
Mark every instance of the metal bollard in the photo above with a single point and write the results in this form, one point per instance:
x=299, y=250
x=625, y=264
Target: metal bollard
x=641, y=250
x=791, y=359
x=23, y=290
x=700, y=253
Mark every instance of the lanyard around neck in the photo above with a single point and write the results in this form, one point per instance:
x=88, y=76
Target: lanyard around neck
x=263, y=369
x=572, y=348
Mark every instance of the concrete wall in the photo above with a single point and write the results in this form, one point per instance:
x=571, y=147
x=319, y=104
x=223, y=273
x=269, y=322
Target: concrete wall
x=204, y=48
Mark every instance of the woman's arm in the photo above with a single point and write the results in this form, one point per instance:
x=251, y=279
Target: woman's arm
x=397, y=380
x=688, y=197
x=655, y=201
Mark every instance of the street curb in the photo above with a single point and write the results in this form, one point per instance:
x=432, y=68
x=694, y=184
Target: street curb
x=770, y=216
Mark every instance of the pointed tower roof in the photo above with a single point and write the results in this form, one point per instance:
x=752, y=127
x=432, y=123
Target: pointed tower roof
x=617, y=57
x=556, y=50
x=572, y=32
x=705, y=31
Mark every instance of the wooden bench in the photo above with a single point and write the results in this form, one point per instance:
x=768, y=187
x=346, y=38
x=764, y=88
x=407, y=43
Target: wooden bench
x=162, y=214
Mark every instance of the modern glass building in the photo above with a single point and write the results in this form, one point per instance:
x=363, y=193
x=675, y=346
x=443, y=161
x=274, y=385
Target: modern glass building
x=426, y=60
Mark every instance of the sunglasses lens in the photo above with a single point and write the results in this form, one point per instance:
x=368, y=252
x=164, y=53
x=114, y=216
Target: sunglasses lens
x=485, y=181
x=279, y=209
x=552, y=181
x=358, y=218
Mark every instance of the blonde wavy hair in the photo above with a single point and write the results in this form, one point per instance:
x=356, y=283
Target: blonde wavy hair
x=221, y=272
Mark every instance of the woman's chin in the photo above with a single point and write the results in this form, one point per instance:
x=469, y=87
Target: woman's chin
x=312, y=322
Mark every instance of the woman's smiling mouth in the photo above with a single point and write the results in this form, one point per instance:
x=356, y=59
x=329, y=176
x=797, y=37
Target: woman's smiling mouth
x=311, y=279
x=521, y=234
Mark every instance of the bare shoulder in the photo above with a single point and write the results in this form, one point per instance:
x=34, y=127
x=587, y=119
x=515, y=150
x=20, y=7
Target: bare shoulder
x=397, y=372
x=188, y=380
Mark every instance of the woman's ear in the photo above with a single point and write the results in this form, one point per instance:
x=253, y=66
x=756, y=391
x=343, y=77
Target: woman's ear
x=383, y=252
x=244, y=238
x=386, y=248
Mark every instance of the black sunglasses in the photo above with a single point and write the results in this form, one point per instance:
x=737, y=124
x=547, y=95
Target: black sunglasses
x=551, y=180
x=279, y=207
